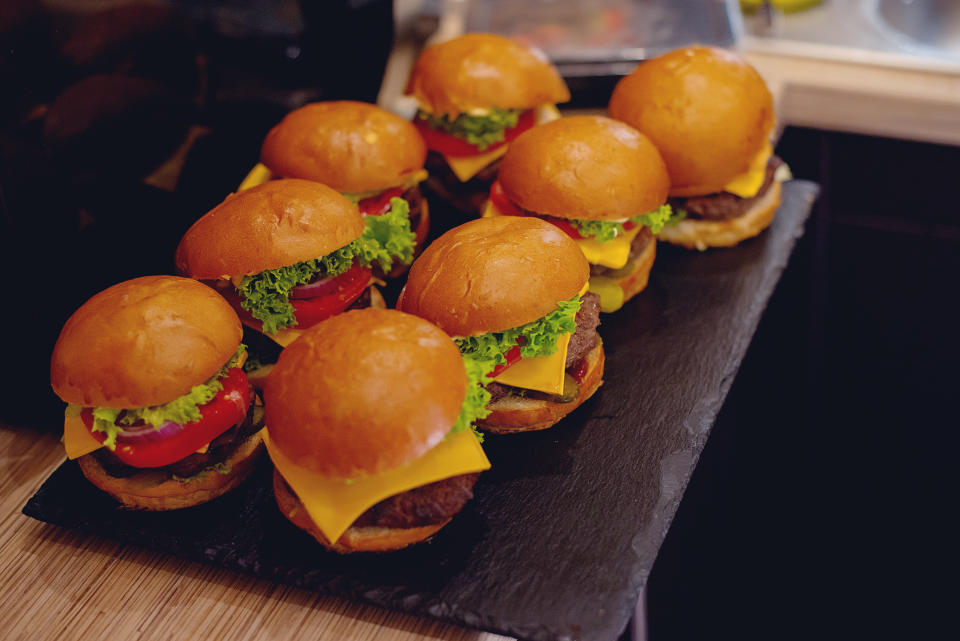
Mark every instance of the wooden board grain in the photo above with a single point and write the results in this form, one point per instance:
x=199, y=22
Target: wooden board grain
x=564, y=530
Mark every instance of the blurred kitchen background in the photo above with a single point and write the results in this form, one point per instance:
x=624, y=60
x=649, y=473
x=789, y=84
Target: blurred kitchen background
x=828, y=481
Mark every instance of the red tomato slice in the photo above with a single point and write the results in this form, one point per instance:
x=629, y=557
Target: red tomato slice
x=506, y=207
x=225, y=410
x=512, y=357
x=380, y=204
x=449, y=145
x=310, y=311
x=338, y=294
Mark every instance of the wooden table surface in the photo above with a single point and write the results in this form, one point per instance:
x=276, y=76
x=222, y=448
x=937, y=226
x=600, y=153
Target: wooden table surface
x=58, y=584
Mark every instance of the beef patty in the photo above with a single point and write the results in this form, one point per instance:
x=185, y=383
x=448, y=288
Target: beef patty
x=582, y=341
x=724, y=205
x=468, y=196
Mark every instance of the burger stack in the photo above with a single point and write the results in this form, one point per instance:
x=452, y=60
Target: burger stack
x=372, y=417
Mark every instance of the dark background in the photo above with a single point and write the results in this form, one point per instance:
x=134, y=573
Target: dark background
x=823, y=502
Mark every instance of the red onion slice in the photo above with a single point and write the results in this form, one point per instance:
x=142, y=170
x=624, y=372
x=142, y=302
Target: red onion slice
x=314, y=289
x=146, y=433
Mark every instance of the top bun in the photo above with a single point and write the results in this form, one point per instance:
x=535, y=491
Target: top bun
x=707, y=111
x=480, y=71
x=585, y=167
x=143, y=342
x=364, y=392
x=494, y=274
x=276, y=224
x=350, y=146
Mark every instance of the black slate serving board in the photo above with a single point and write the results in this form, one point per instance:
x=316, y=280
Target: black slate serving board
x=563, y=531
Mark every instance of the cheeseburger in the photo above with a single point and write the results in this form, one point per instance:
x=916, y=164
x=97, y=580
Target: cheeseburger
x=369, y=155
x=289, y=253
x=370, y=428
x=160, y=414
x=476, y=93
x=711, y=116
x=512, y=292
x=600, y=182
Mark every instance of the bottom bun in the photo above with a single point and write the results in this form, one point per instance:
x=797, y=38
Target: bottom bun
x=354, y=539
x=695, y=233
x=513, y=414
x=155, y=490
x=637, y=281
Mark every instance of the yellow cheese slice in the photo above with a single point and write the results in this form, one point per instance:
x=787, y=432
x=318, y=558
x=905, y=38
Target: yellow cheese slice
x=284, y=337
x=747, y=184
x=543, y=373
x=334, y=504
x=467, y=167
x=612, y=253
x=609, y=291
x=76, y=437
x=257, y=176
x=490, y=210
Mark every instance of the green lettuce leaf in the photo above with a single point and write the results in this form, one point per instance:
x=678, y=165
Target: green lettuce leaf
x=385, y=239
x=539, y=337
x=605, y=231
x=475, y=404
x=481, y=131
x=185, y=409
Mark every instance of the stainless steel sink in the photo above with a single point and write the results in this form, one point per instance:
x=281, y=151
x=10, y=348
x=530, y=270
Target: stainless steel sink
x=924, y=31
x=926, y=26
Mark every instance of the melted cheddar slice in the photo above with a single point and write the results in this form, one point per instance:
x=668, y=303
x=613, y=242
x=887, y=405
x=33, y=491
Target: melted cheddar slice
x=335, y=504
x=612, y=253
x=490, y=210
x=543, y=373
x=747, y=184
x=257, y=176
x=609, y=291
x=284, y=337
x=466, y=167
x=76, y=438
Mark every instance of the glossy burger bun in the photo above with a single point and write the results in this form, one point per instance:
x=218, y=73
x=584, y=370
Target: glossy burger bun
x=143, y=342
x=480, y=71
x=513, y=414
x=276, y=224
x=584, y=167
x=707, y=110
x=354, y=539
x=694, y=233
x=493, y=274
x=350, y=146
x=364, y=392
x=155, y=490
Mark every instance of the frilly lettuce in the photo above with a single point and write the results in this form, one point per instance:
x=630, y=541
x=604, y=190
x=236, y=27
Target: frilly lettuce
x=185, y=409
x=539, y=338
x=605, y=231
x=385, y=239
x=481, y=131
x=475, y=404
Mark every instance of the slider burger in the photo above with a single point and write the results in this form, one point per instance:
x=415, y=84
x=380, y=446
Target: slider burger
x=371, y=156
x=603, y=184
x=289, y=253
x=512, y=291
x=476, y=93
x=160, y=414
x=369, y=426
x=711, y=116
